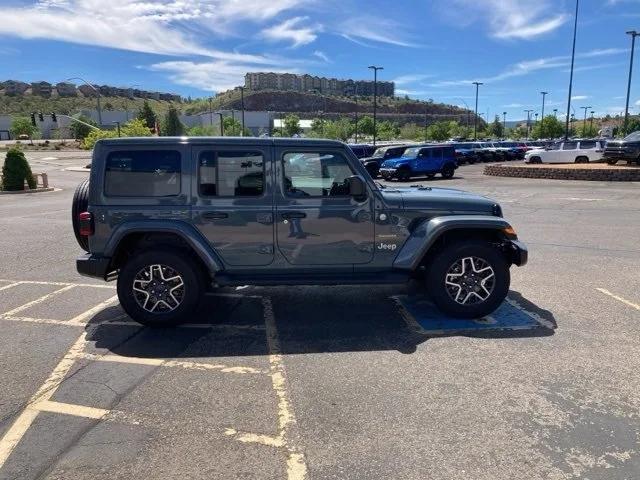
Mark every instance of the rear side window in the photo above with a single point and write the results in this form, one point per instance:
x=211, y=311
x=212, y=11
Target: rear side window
x=231, y=174
x=142, y=173
x=588, y=144
x=569, y=145
x=436, y=153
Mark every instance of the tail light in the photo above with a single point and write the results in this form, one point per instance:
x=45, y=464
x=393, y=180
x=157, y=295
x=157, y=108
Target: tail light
x=85, y=220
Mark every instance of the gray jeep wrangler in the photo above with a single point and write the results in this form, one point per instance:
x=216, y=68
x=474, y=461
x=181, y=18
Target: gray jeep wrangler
x=171, y=218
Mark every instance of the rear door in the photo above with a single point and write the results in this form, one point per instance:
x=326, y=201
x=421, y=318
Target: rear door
x=233, y=202
x=317, y=221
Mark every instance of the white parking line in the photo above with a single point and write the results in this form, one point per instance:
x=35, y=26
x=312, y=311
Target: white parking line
x=70, y=409
x=43, y=298
x=84, y=316
x=11, y=285
x=59, y=284
x=620, y=299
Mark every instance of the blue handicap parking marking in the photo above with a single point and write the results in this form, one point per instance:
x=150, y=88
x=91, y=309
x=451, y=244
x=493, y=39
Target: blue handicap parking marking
x=432, y=320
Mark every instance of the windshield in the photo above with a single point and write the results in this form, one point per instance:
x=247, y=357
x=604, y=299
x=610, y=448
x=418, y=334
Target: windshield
x=634, y=137
x=379, y=152
x=411, y=152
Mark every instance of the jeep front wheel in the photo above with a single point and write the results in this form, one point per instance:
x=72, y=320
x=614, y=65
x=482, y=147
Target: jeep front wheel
x=468, y=279
x=159, y=288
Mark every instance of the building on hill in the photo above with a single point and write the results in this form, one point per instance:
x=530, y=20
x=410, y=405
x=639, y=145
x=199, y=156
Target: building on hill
x=87, y=91
x=14, y=87
x=42, y=89
x=308, y=83
x=65, y=89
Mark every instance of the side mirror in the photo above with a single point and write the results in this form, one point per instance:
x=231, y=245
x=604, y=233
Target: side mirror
x=357, y=187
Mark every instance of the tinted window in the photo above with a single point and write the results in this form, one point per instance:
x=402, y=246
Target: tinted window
x=569, y=145
x=231, y=174
x=316, y=174
x=142, y=173
x=448, y=152
x=436, y=153
x=588, y=144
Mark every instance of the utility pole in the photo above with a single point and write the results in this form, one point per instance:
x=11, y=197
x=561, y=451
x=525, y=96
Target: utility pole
x=536, y=115
x=573, y=57
x=633, y=34
x=584, y=122
x=544, y=94
x=242, y=106
x=356, y=127
x=221, y=125
x=591, y=122
x=426, y=126
x=475, y=119
x=375, y=98
x=555, y=112
x=210, y=111
x=528, y=121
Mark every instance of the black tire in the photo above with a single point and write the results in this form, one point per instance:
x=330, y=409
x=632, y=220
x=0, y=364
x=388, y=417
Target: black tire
x=535, y=160
x=448, y=171
x=446, y=258
x=612, y=161
x=182, y=264
x=79, y=204
x=404, y=175
x=582, y=159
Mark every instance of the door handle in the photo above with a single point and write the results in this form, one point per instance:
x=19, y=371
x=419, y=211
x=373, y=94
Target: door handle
x=289, y=215
x=214, y=215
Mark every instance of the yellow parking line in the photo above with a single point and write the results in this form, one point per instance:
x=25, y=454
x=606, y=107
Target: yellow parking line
x=70, y=409
x=48, y=321
x=44, y=298
x=20, y=426
x=159, y=362
x=620, y=299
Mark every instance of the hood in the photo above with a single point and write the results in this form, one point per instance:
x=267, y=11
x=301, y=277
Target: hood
x=447, y=200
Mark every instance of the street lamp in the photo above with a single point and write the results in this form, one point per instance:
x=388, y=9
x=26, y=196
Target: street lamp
x=210, y=111
x=633, y=34
x=555, y=112
x=591, y=122
x=95, y=90
x=504, y=123
x=544, y=94
x=584, y=122
x=573, y=56
x=475, y=119
x=528, y=120
x=536, y=115
x=375, y=97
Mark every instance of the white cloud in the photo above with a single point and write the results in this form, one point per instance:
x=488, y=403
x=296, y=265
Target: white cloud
x=514, y=105
x=291, y=30
x=161, y=27
x=373, y=29
x=322, y=56
x=411, y=78
x=580, y=97
x=637, y=103
x=510, y=18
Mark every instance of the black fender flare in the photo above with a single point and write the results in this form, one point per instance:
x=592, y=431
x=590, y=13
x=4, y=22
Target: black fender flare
x=428, y=232
x=188, y=233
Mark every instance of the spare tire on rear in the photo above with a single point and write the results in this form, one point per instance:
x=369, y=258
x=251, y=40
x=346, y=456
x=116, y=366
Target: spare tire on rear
x=80, y=204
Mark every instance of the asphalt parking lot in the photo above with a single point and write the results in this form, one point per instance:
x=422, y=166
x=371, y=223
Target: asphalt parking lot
x=329, y=382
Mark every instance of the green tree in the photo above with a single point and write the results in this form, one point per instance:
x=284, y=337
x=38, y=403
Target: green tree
x=387, y=130
x=365, y=126
x=412, y=131
x=78, y=130
x=519, y=132
x=134, y=128
x=587, y=130
x=171, y=125
x=496, y=128
x=339, y=130
x=548, y=127
x=16, y=171
x=23, y=126
x=317, y=128
x=438, y=131
x=291, y=125
x=633, y=124
x=203, y=131
x=147, y=114
x=233, y=128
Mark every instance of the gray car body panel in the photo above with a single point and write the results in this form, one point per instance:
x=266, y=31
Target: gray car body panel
x=389, y=231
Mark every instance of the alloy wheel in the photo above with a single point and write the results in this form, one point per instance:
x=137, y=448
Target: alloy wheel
x=158, y=289
x=470, y=280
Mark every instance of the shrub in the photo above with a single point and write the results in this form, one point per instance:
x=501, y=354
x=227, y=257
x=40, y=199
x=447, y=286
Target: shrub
x=16, y=170
x=91, y=139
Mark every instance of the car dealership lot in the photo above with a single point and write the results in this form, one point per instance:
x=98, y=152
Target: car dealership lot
x=329, y=382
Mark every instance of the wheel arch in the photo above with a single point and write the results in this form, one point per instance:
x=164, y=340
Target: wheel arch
x=132, y=235
x=432, y=234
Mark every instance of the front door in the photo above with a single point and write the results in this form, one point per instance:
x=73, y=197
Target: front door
x=317, y=221
x=234, y=202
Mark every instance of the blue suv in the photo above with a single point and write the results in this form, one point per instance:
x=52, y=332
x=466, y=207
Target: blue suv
x=421, y=161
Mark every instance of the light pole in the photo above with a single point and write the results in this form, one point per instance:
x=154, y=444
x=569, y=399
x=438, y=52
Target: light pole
x=356, y=99
x=504, y=124
x=591, y=122
x=536, y=115
x=475, y=119
x=555, y=112
x=528, y=120
x=210, y=111
x=221, y=124
x=95, y=90
x=242, y=106
x=544, y=94
x=426, y=126
x=573, y=56
x=375, y=98
x=584, y=122
x=633, y=34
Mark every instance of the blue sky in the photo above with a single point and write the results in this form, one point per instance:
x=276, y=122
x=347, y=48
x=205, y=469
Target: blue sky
x=431, y=49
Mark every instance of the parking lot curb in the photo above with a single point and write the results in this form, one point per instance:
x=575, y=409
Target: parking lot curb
x=566, y=172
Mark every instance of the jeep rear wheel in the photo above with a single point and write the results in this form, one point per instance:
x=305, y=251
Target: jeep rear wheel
x=160, y=287
x=447, y=171
x=468, y=279
x=404, y=175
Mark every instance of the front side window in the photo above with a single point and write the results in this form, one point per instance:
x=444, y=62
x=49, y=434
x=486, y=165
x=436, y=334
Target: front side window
x=231, y=174
x=142, y=173
x=316, y=174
